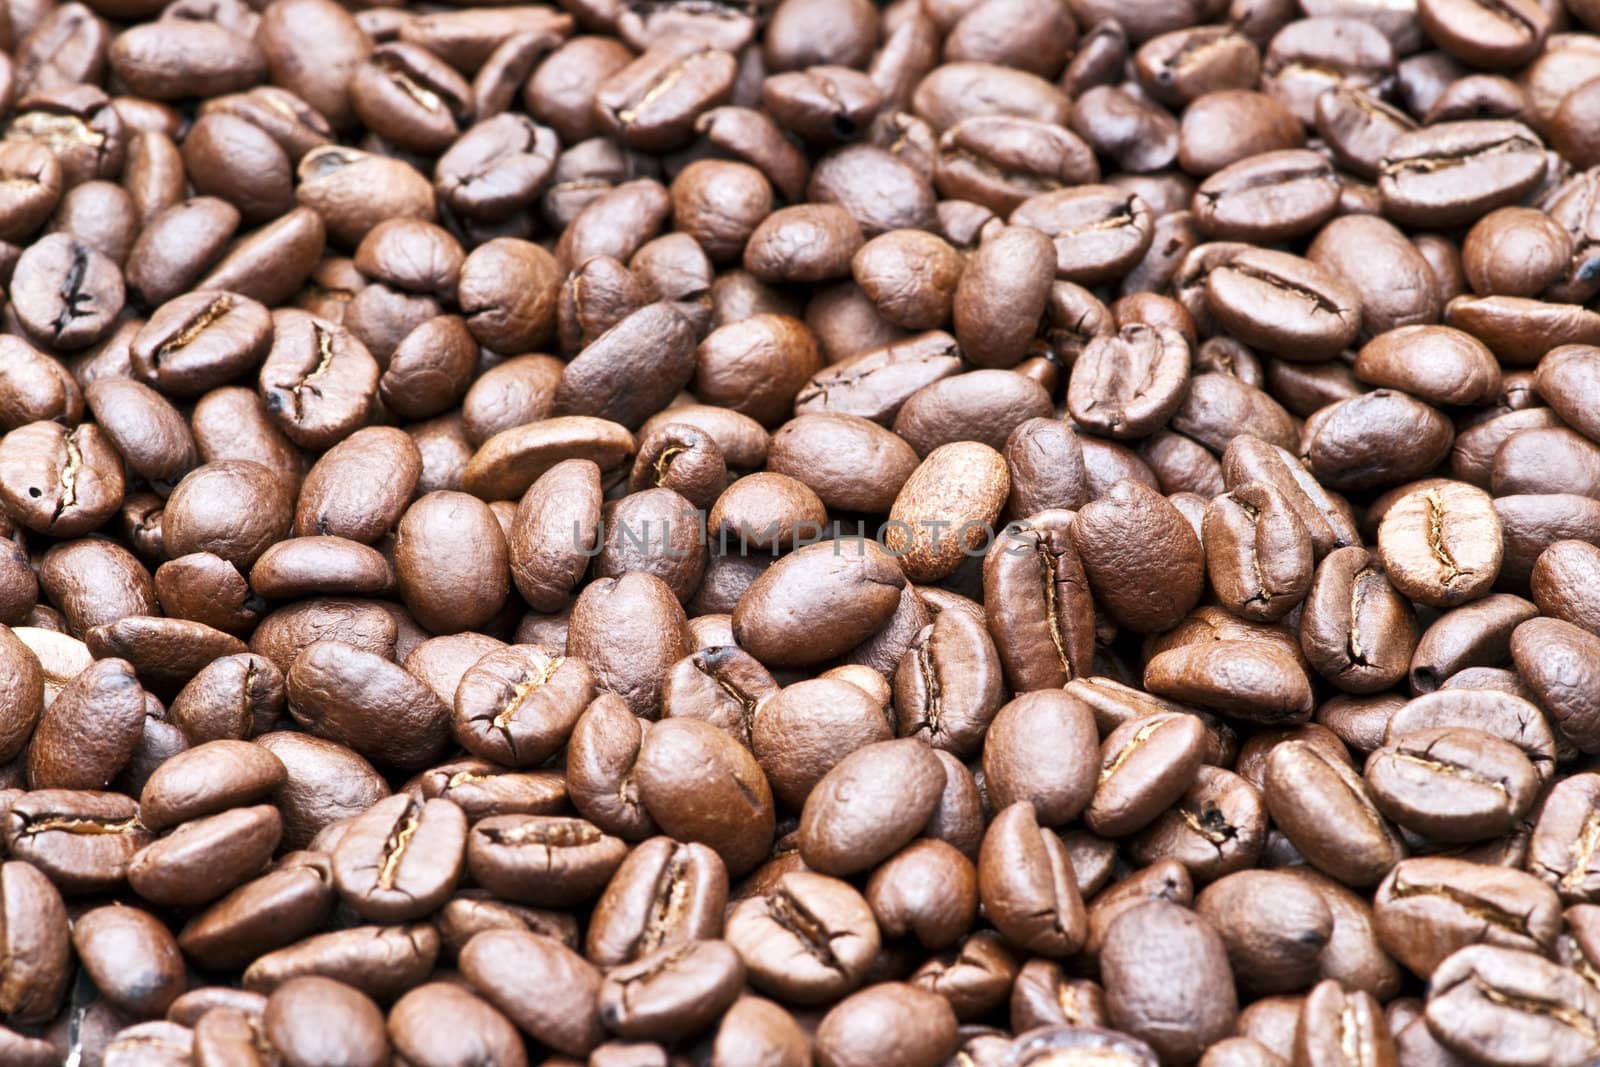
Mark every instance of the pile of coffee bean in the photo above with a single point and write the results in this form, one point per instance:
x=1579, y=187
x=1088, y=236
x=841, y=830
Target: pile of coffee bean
x=761, y=533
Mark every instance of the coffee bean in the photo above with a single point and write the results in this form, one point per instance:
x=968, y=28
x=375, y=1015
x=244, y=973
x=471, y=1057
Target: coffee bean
x=1346, y=837
x=65, y=293
x=1026, y=883
x=357, y=698
x=1258, y=551
x=39, y=943
x=1458, y=903
x=1480, y=1006
x=1135, y=961
x=673, y=992
x=1267, y=197
x=1357, y=630
x=1145, y=765
x=132, y=958
x=543, y=987
x=82, y=841
x=850, y=823
x=204, y=858
x=480, y=1030
x=1284, y=304
x=887, y=1019
x=1127, y=386
x=1130, y=522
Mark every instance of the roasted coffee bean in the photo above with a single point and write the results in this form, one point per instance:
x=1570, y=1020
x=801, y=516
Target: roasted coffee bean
x=1267, y=197
x=894, y=1019
x=1129, y=522
x=1357, y=630
x=204, y=858
x=208, y=779
x=83, y=841
x=1026, y=883
x=1128, y=386
x=1037, y=603
x=401, y=859
x=1441, y=544
x=1327, y=811
x=1284, y=304
x=59, y=481
x=381, y=961
x=542, y=986
x=680, y=764
x=1034, y=732
x=517, y=705
x=1141, y=993
x=1491, y=164
x=38, y=944
x=1428, y=781
x=1487, y=1001
x=357, y=698
x=571, y=858
x=66, y=293
x=1429, y=907
x=479, y=1030
x=132, y=958
x=848, y=824
x=1258, y=552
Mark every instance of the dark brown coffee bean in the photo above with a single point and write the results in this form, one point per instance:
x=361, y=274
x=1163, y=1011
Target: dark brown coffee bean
x=542, y=986
x=664, y=894
x=133, y=959
x=673, y=992
x=88, y=733
x=401, y=859
x=1441, y=544
x=38, y=943
x=652, y=103
x=731, y=809
x=790, y=614
x=358, y=698
x=800, y=733
x=1026, y=883
x=83, y=841
x=1036, y=600
x=914, y=1026
x=1357, y=630
x=1283, y=304
x=1429, y=907
x=437, y=529
x=546, y=861
x=208, y=779
x=1258, y=552
x=480, y=1030
x=1129, y=385
x=1326, y=810
x=204, y=858
x=1494, y=163
x=850, y=824
x=1267, y=197
x=1135, y=133
x=1141, y=994
x=1434, y=363
x=981, y=407
x=1428, y=780
x=1001, y=295
x=518, y=705
x=1342, y=441
x=1134, y=520
x=65, y=293
x=1486, y=1001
